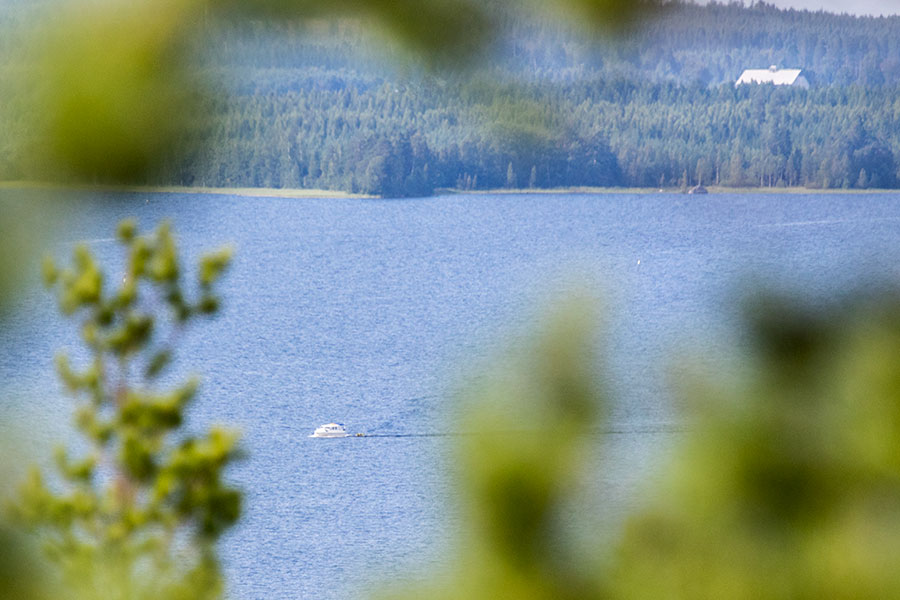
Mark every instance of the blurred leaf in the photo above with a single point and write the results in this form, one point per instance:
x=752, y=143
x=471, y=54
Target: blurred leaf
x=212, y=265
x=115, y=91
x=126, y=230
x=447, y=32
x=158, y=362
x=26, y=220
x=613, y=16
x=49, y=271
x=21, y=573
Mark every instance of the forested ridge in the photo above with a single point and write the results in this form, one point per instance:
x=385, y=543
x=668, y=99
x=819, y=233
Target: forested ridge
x=312, y=105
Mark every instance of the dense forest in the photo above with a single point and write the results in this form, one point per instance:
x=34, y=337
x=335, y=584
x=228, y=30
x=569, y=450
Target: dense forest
x=315, y=105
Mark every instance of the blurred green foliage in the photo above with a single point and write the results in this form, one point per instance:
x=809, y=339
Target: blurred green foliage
x=789, y=485
x=136, y=511
x=443, y=32
x=786, y=485
x=114, y=88
x=20, y=219
x=21, y=575
x=519, y=471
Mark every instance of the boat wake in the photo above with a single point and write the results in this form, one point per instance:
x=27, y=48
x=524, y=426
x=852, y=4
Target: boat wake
x=826, y=222
x=662, y=428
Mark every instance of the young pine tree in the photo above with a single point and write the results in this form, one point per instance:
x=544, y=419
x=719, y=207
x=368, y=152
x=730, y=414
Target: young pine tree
x=136, y=515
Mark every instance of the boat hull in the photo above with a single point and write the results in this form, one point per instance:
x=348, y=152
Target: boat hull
x=330, y=430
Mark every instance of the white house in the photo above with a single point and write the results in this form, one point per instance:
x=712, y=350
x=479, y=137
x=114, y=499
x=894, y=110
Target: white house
x=773, y=75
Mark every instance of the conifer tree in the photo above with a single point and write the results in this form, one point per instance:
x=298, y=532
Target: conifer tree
x=137, y=514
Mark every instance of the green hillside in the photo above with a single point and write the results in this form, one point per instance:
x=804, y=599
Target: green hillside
x=314, y=105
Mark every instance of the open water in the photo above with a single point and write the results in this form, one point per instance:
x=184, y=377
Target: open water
x=370, y=312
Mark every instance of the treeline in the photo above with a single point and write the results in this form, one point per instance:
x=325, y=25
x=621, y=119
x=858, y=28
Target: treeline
x=396, y=140
x=753, y=135
x=657, y=107
x=312, y=105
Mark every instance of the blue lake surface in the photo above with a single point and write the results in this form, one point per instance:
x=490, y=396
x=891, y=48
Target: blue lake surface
x=370, y=312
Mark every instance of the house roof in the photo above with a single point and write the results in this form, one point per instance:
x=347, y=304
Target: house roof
x=770, y=75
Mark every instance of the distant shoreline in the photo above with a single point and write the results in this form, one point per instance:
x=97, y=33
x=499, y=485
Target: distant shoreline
x=301, y=193
x=178, y=189
x=253, y=192
x=711, y=190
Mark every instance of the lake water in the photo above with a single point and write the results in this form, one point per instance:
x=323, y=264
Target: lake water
x=370, y=312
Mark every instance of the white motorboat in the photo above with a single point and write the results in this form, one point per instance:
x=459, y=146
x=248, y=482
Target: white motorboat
x=330, y=430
